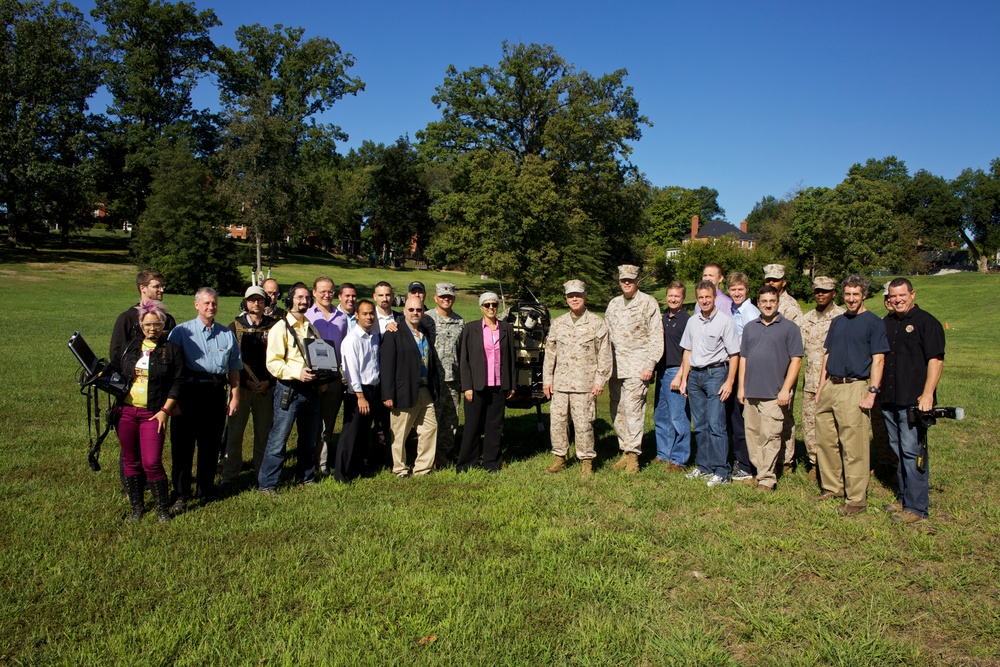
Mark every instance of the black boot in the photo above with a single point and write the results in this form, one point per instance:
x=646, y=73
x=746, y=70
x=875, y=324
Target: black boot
x=161, y=496
x=134, y=486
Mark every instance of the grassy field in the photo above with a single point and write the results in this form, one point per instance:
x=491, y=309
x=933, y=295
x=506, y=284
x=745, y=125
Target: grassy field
x=514, y=569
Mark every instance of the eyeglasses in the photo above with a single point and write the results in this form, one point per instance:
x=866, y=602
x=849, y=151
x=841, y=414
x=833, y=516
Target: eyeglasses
x=327, y=292
x=153, y=325
x=491, y=305
x=414, y=310
x=155, y=286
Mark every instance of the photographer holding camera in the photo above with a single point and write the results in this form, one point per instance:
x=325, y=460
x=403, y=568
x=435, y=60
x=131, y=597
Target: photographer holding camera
x=912, y=369
x=297, y=396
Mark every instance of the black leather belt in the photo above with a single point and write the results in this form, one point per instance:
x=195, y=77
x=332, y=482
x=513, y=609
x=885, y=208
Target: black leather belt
x=839, y=380
x=710, y=366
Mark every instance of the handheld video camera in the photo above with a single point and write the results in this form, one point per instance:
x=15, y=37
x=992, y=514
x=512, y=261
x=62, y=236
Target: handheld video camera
x=916, y=417
x=96, y=372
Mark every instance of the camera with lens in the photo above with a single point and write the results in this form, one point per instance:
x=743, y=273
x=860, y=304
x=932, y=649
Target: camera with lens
x=926, y=419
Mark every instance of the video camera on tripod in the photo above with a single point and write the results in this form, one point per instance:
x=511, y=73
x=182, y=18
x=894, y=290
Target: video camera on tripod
x=99, y=375
x=921, y=421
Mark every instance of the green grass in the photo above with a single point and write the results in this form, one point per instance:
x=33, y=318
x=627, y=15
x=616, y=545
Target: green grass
x=515, y=569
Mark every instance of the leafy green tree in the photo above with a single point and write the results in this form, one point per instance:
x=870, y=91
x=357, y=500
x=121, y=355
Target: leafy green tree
x=48, y=69
x=765, y=212
x=533, y=126
x=272, y=86
x=155, y=53
x=708, y=208
x=936, y=212
x=182, y=231
x=978, y=195
x=670, y=212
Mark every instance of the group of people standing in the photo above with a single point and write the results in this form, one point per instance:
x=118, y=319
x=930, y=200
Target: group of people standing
x=725, y=376
x=395, y=373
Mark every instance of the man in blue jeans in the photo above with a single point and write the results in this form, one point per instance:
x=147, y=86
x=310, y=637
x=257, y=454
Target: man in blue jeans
x=296, y=396
x=711, y=358
x=670, y=413
x=912, y=370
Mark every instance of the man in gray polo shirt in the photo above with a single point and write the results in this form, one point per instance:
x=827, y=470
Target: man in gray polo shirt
x=708, y=372
x=770, y=357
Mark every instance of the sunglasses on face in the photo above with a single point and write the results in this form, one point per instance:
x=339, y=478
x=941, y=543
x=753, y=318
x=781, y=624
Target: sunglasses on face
x=489, y=305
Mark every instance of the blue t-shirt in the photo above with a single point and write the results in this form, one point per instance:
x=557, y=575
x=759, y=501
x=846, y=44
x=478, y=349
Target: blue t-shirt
x=851, y=342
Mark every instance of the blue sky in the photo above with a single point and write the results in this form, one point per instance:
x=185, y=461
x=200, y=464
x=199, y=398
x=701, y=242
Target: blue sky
x=750, y=98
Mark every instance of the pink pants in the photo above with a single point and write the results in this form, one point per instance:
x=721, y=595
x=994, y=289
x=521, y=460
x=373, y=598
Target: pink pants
x=142, y=445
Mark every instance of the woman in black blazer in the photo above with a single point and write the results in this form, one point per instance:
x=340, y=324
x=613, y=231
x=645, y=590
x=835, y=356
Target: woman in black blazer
x=485, y=396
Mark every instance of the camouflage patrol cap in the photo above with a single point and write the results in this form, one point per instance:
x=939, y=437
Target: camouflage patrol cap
x=444, y=289
x=575, y=287
x=824, y=283
x=774, y=271
x=628, y=272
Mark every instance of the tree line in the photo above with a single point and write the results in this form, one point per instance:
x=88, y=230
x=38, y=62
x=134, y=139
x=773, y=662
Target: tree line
x=526, y=176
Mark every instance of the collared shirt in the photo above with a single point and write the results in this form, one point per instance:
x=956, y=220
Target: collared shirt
x=284, y=357
x=424, y=347
x=359, y=360
x=673, y=329
x=577, y=354
x=491, y=344
x=743, y=313
x=445, y=331
x=814, y=325
x=331, y=330
x=352, y=320
x=383, y=320
x=914, y=339
x=768, y=350
x=711, y=340
x=790, y=308
x=207, y=349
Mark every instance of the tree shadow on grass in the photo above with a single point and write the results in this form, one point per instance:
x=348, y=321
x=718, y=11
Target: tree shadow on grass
x=102, y=249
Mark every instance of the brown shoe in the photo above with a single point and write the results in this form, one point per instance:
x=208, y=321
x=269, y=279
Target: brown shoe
x=660, y=461
x=764, y=489
x=558, y=463
x=895, y=507
x=632, y=464
x=673, y=467
x=826, y=495
x=907, y=517
x=851, y=510
x=586, y=468
x=812, y=474
x=621, y=463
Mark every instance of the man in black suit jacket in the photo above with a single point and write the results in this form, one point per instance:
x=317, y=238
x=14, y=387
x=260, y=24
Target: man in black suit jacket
x=487, y=381
x=409, y=374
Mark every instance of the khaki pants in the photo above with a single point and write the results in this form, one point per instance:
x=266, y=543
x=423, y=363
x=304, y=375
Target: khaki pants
x=809, y=424
x=764, y=420
x=581, y=409
x=788, y=432
x=262, y=407
x=842, y=436
x=628, y=412
x=422, y=417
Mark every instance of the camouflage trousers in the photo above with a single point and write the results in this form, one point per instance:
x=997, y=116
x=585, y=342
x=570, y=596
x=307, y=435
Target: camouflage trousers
x=628, y=412
x=809, y=424
x=581, y=409
x=446, y=406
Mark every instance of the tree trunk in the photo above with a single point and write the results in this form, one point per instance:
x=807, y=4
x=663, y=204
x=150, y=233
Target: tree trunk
x=258, y=273
x=981, y=261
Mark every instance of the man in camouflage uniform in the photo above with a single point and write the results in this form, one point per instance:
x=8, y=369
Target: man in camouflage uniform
x=445, y=328
x=577, y=365
x=815, y=325
x=636, y=331
x=774, y=275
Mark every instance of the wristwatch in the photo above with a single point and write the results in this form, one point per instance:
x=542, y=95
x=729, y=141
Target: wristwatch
x=874, y=390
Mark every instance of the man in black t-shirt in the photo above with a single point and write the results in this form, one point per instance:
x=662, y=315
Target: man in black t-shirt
x=912, y=370
x=855, y=350
x=671, y=418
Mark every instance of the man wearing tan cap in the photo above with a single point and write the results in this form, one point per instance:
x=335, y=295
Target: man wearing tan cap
x=577, y=365
x=815, y=325
x=636, y=331
x=788, y=307
x=446, y=330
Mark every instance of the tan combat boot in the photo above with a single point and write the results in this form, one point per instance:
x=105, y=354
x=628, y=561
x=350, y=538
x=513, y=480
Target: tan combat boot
x=586, y=468
x=621, y=463
x=632, y=464
x=557, y=464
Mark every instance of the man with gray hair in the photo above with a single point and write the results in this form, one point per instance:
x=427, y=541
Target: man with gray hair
x=576, y=367
x=851, y=377
x=636, y=331
x=212, y=360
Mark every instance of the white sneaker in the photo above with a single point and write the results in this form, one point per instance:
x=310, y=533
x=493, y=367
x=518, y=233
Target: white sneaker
x=696, y=474
x=717, y=480
x=741, y=476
